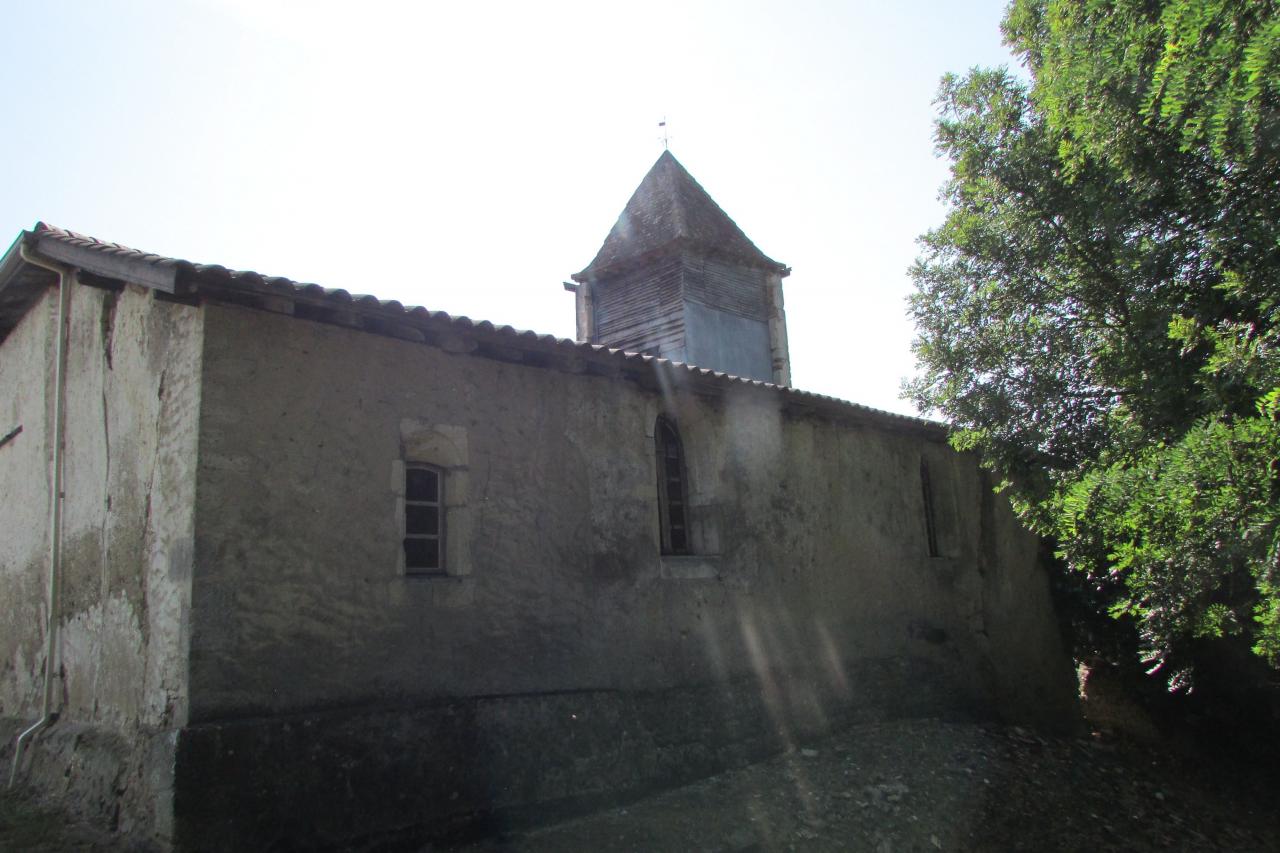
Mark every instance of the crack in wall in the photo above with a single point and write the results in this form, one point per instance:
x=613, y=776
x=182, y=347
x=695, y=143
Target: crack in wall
x=104, y=549
x=106, y=481
x=108, y=324
x=147, y=530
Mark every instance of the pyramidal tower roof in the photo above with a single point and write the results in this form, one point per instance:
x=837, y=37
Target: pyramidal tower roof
x=670, y=210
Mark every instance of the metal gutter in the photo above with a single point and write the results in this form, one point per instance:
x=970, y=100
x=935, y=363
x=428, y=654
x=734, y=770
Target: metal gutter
x=66, y=277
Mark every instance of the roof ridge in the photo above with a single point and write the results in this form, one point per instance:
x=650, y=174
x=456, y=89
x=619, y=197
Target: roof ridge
x=674, y=171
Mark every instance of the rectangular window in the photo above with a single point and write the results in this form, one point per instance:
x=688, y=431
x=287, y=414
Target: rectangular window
x=423, y=519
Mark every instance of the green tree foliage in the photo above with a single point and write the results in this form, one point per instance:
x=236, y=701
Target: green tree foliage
x=1099, y=315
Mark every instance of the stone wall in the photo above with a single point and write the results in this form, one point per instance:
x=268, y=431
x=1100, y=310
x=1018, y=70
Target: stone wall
x=132, y=398
x=310, y=646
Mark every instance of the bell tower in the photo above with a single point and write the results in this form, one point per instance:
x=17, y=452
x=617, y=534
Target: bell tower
x=676, y=278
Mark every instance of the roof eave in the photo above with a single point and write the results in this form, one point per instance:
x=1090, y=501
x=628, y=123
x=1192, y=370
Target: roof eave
x=162, y=277
x=12, y=261
x=21, y=284
x=596, y=272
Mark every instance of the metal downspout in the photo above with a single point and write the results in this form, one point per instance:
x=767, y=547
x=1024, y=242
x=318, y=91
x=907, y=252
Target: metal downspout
x=48, y=715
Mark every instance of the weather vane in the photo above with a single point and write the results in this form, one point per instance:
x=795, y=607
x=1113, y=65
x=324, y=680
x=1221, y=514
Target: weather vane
x=666, y=140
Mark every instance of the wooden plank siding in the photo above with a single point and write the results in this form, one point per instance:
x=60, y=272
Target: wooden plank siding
x=726, y=287
x=642, y=310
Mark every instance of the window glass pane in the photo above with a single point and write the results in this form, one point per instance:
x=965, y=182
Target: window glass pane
x=421, y=519
x=422, y=553
x=421, y=484
x=671, y=490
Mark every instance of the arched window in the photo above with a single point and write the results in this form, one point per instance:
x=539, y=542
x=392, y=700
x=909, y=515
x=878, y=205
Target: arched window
x=423, y=519
x=671, y=489
x=930, y=516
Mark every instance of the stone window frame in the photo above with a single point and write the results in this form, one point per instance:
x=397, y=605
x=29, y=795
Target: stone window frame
x=444, y=447
x=437, y=505
x=702, y=560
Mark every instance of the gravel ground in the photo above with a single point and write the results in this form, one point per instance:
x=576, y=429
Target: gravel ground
x=928, y=785
x=911, y=785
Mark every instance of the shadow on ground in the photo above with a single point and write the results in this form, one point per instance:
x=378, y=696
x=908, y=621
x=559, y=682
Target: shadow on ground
x=910, y=785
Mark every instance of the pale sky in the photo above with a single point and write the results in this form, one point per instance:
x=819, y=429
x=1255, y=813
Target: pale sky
x=469, y=157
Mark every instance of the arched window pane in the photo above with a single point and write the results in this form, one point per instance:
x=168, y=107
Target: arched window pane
x=423, y=527
x=671, y=489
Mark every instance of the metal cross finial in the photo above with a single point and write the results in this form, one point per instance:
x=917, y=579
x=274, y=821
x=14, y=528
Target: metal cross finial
x=666, y=140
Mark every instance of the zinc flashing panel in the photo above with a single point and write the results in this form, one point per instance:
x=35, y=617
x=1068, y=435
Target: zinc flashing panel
x=728, y=342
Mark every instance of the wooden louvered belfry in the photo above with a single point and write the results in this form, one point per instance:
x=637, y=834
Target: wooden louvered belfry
x=677, y=278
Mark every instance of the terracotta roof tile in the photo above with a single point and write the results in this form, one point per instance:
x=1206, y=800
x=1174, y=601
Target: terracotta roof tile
x=215, y=281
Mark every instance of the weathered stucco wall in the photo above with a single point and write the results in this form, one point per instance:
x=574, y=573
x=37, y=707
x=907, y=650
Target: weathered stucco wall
x=132, y=400
x=812, y=589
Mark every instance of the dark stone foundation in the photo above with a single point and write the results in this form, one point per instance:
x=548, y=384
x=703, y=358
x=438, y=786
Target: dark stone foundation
x=336, y=778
